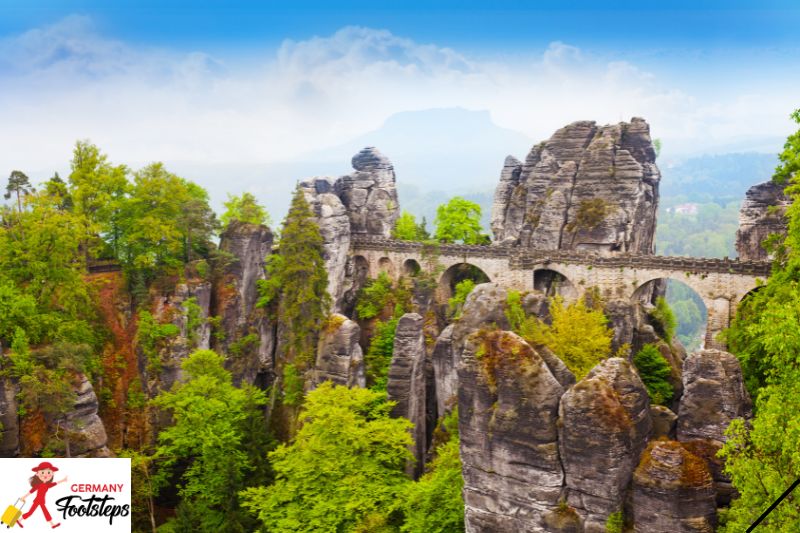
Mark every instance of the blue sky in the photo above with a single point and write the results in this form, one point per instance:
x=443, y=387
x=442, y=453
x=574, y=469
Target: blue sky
x=252, y=83
x=469, y=24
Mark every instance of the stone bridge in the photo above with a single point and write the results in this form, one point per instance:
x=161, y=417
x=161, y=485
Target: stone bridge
x=721, y=283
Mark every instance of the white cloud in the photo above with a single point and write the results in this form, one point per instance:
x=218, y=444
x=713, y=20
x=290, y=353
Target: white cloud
x=67, y=81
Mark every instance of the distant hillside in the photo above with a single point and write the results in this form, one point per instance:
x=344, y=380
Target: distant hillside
x=717, y=178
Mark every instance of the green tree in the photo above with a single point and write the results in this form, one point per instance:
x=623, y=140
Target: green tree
x=211, y=420
x=198, y=221
x=18, y=185
x=762, y=456
x=164, y=222
x=42, y=274
x=579, y=335
x=379, y=355
x=459, y=298
x=665, y=321
x=434, y=503
x=655, y=372
x=97, y=190
x=790, y=157
x=297, y=286
x=459, y=220
x=244, y=208
x=406, y=228
x=344, y=467
x=57, y=188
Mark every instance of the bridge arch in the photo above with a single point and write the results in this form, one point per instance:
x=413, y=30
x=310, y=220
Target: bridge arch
x=457, y=273
x=411, y=267
x=550, y=281
x=688, y=305
x=386, y=265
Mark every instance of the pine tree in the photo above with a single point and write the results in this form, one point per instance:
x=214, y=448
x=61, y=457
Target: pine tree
x=297, y=287
x=18, y=184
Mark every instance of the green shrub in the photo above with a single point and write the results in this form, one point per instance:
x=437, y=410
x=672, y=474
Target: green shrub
x=374, y=297
x=515, y=314
x=434, y=504
x=292, y=386
x=151, y=335
x=462, y=290
x=614, y=523
x=655, y=372
x=664, y=318
x=244, y=345
x=379, y=354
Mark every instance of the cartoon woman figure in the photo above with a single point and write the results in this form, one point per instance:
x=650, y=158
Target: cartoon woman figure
x=41, y=482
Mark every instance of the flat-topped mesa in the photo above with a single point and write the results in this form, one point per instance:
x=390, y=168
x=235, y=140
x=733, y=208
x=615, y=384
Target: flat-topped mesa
x=762, y=214
x=363, y=203
x=589, y=187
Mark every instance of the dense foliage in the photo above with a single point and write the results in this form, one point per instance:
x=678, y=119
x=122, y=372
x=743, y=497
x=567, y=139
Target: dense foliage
x=296, y=288
x=578, y=334
x=664, y=319
x=435, y=503
x=381, y=296
x=762, y=458
x=698, y=229
x=456, y=302
x=244, y=208
x=406, y=228
x=654, y=371
x=344, y=469
x=459, y=220
x=215, y=444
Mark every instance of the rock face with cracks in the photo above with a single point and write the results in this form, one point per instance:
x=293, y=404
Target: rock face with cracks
x=508, y=412
x=673, y=491
x=761, y=215
x=407, y=383
x=339, y=356
x=588, y=187
x=234, y=301
x=714, y=394
x=605, y=425
x=363, y=202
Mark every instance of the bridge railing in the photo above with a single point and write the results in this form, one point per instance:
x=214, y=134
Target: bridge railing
x=520, y=258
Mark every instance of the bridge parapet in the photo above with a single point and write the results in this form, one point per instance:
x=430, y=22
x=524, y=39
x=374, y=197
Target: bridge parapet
x=521, y=259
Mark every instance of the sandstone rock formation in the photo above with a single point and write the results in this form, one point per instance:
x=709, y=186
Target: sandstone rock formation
x=714, y=394
x=664, y=421
x=339, y=356
x=86, y=434
x=605, y=424
x=162, y=368
x=761, y=214
x=243, y=326
x=407, y=383
x=361, y=203
x=508, y=409
x=484, y=305
x=444, y=360
x=369, y=194
x=9, y=421
x=588, y=187
x=334, y=226
x=672, y=491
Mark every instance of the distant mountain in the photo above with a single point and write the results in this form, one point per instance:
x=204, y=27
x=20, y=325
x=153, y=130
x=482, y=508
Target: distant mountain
x=453, y=150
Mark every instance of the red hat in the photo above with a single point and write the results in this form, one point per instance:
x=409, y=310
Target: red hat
x=44, y=465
